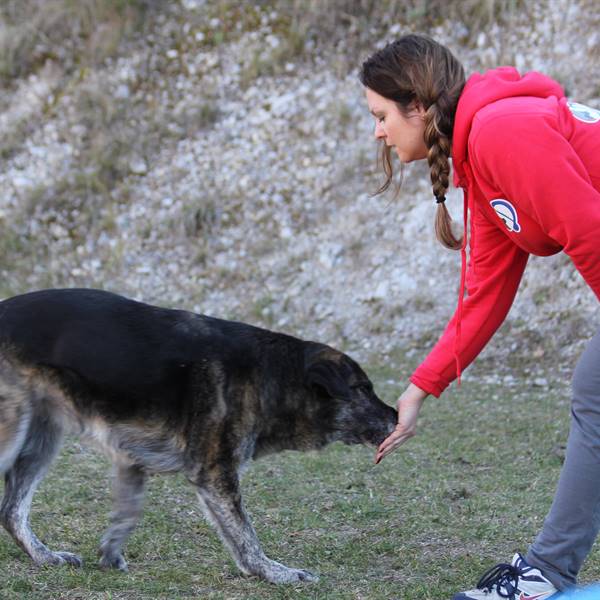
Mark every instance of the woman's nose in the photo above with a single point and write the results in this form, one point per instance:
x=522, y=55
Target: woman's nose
x=379, y=132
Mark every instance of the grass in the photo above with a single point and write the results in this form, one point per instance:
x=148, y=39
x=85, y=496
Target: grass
x=469, y=490
x=75, y=33
x=86, y=33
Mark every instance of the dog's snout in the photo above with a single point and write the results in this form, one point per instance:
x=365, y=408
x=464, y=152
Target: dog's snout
x=392, y=420
x=382, y=422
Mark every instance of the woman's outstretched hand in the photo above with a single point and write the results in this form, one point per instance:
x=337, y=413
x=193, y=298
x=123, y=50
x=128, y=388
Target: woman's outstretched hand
x=409, y=406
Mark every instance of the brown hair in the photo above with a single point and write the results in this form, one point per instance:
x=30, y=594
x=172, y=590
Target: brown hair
x=416, y=69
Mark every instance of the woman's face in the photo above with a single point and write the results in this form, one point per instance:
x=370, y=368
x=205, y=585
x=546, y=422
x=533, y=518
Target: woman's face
x=403, y=132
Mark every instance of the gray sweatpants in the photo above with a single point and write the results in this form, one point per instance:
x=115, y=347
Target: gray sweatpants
x=573, y=522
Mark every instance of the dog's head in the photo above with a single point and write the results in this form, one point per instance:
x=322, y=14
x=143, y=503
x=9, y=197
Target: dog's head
x=352, y=411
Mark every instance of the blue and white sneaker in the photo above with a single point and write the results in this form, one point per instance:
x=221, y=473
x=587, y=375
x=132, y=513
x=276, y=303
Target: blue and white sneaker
x=517, y=581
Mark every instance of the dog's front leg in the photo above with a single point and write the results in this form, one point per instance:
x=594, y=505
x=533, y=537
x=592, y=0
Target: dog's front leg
x=222, y=505
x=128, y=492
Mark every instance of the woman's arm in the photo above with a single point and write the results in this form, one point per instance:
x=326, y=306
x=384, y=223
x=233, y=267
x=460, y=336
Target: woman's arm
x=495, y=269
x=493, y=276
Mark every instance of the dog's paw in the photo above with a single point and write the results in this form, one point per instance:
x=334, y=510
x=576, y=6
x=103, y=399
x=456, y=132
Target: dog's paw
x=275, y=572
x=59, y=558
x=303, y=575
x=115, y=561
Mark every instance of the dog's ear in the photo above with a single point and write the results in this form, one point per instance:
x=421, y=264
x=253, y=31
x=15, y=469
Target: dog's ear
x=327, y=375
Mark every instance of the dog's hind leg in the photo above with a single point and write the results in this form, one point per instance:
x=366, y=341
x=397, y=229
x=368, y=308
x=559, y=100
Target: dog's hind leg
x=222, y=505
x=42, y=442
x=128, y=500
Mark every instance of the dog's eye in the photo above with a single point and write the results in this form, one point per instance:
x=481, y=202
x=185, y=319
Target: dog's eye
x=364, y=386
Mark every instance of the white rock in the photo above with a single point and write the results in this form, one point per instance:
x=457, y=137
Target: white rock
x=138, y=166
x=122, y=92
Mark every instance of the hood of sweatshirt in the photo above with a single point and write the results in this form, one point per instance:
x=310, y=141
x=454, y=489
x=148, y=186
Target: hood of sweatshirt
x=483, y=89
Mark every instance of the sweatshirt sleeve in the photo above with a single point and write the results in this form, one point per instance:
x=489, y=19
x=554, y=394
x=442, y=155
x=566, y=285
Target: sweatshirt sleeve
x=494, y=272
x=532, y=162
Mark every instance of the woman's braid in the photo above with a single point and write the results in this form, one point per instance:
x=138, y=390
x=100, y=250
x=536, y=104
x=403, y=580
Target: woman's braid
x=438, y=133
x=439, y=151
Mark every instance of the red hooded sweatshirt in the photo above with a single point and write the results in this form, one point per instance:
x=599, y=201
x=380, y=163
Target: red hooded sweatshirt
x=528, y=161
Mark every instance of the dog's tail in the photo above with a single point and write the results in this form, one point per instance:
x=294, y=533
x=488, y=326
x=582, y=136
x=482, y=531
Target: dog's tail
x=12, y=437
x=15, y=416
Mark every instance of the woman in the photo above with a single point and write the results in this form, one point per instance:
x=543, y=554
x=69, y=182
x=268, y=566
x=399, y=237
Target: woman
x=529, y=164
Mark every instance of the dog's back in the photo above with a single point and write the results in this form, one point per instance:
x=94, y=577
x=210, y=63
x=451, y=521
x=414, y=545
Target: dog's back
x=125, y=357
x=129, y=349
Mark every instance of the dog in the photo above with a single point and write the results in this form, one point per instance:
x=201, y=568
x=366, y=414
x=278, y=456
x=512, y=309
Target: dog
x=162, y=390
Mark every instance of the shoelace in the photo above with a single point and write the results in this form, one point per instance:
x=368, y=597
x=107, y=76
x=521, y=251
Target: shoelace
x=501, y=576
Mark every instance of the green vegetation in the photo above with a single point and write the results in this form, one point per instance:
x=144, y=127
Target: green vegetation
x=72, y=32
x=81, y=33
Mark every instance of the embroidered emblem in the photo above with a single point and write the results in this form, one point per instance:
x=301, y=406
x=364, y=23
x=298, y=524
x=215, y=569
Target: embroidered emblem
x=506, y=211
x=584, y=113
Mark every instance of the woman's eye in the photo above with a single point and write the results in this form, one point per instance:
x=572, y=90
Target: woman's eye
x=381, y=119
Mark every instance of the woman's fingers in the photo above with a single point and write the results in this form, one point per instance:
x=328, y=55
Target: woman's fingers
x=393, y=441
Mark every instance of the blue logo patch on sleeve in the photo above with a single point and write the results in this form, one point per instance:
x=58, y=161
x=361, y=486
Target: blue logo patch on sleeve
x=506, y=211
x=584, y=113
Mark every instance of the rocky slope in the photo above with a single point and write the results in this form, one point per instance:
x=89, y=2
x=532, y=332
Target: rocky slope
x=219, y=161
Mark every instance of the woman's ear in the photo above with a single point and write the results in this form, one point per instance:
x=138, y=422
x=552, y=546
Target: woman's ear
x=419, y=109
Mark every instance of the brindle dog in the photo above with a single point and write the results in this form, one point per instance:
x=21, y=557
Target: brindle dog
x=159, y=391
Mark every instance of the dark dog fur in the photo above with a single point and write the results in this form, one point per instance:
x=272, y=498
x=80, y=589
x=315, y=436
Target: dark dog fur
x=164, y=390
